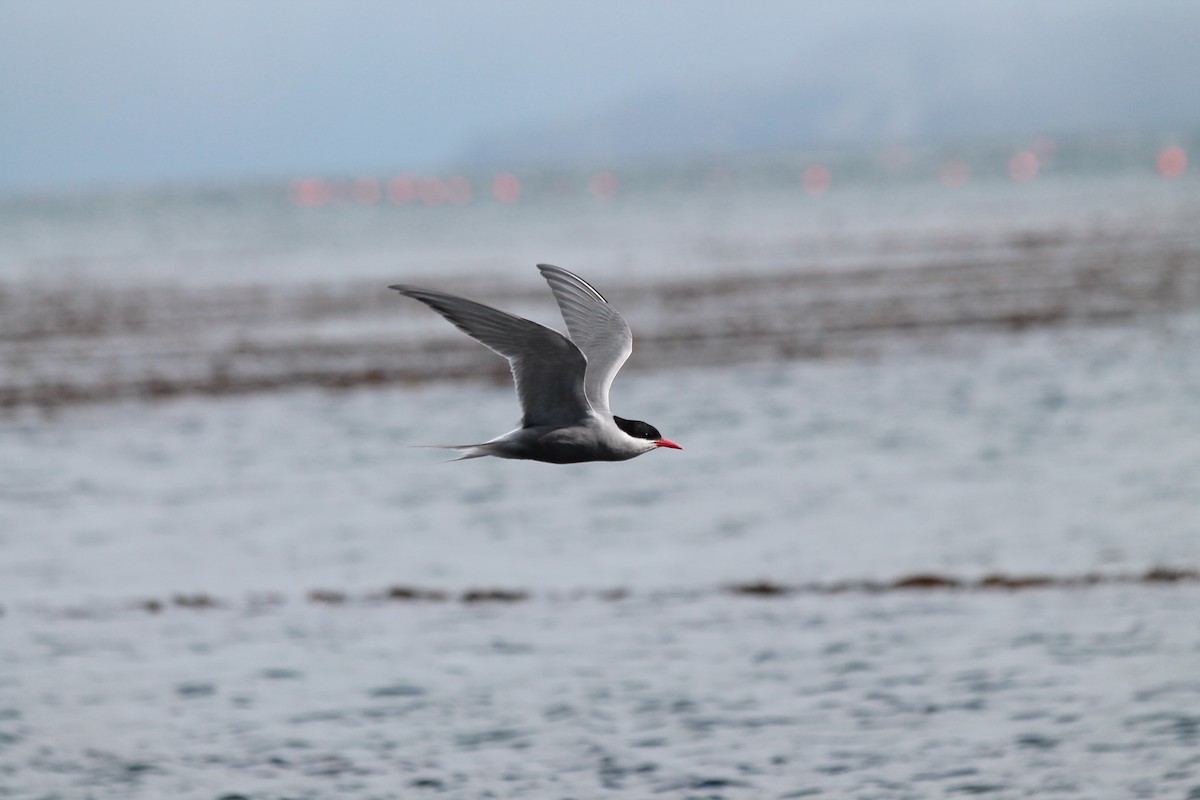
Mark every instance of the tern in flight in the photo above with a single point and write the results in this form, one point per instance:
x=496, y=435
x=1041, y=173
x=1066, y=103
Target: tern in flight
x=562, y=383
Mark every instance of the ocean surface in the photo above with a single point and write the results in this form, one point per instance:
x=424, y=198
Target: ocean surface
x=934, y=532
x=640, y=221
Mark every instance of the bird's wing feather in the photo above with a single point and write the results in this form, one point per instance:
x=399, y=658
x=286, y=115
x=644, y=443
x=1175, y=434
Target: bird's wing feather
x=547, y=368
x=596, y=328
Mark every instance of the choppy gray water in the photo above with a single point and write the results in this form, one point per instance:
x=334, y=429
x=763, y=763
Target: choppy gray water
x=1062, y=452
x=219, y=580
x=1064, y=694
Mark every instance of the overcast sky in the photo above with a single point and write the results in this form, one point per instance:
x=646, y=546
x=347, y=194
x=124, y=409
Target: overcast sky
x=147, y=90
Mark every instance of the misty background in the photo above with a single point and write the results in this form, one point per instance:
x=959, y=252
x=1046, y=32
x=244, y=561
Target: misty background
x=916, y=284
x=139, y=92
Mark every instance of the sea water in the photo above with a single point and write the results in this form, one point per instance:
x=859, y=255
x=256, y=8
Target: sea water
x=270, y=594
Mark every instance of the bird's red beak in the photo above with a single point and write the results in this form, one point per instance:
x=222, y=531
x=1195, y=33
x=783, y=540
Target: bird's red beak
x=667, y=443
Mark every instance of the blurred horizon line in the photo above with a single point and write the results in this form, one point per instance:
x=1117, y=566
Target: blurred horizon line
x=895, y=157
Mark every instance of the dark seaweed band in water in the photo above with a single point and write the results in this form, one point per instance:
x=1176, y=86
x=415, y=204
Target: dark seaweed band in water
x=97, y=343
x=992, y=581
x=914, y=582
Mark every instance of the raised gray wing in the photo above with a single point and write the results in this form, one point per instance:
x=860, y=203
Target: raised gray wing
x=547, y=368
x=596, y=328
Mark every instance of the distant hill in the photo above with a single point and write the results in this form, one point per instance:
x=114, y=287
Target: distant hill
x=915, y=89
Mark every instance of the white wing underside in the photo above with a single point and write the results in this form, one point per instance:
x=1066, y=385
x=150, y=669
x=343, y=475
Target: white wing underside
x=596, y=328
x=550, y=372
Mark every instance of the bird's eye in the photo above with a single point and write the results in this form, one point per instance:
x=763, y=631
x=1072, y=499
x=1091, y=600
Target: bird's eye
x=647, y=431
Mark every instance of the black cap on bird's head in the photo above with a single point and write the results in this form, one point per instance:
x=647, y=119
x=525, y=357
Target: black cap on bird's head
x=644, y=430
